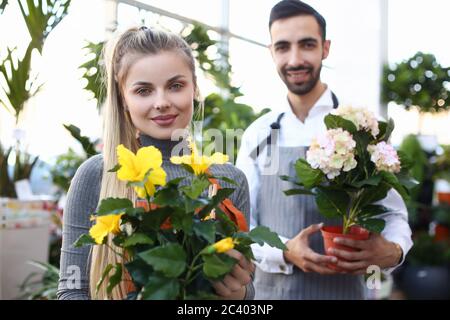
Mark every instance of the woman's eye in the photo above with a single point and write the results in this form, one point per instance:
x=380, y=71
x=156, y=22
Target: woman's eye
x=176, y=86
x=143, y=91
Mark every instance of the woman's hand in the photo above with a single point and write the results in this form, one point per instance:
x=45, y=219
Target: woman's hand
x=233, y=285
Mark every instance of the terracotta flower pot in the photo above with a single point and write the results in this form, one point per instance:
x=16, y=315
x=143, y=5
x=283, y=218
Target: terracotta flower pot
x=331, y=232
x=443, y=197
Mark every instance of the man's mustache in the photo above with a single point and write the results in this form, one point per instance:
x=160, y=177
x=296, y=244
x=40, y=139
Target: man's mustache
x=298, y=68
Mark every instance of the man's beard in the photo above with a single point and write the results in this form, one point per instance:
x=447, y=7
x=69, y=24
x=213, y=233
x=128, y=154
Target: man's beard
x=305, y=87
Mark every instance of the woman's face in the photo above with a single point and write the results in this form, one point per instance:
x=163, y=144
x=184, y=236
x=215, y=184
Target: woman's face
x=159, y=92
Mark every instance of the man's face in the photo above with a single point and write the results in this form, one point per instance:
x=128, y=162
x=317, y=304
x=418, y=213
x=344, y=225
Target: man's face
x=298, y=50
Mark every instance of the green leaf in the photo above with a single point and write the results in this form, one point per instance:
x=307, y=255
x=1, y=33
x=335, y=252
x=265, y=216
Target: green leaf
x=406, y=162
x=332, y=203
x=114, y=206
x=161, y=288
x=226, y=179
x=182, y=220
x=221, y=194
x=225, y=227
x=116, y=168
x=105, y=273
x=373, y=225
x=167, y=196
x=292, y=192
x=408, y=182
x=392, y=180
x=308, y=176
x=190, y=205
x=373, y=194
x=87, y=145
x=371, y=181
x=137, y=238
x=188, y=168
x=139, y=271
x=115, y=279
x=169, y=259
x=196, y=188
x=206, y=230
x=373, y=210
x=152, y=220
x=334, y=122
x=262, y=234
x=294, y=180
x=83, y=240
x=215, y=266
x=386, y=129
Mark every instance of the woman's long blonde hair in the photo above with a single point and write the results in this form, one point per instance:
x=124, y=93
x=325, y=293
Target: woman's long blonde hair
x=118, y=128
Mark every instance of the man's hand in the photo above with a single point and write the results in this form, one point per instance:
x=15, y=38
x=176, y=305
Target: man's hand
x=374, y=251
x=301, y=255
x=233, y=285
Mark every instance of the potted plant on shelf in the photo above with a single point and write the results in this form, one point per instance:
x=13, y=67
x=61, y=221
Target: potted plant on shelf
x=348, y=169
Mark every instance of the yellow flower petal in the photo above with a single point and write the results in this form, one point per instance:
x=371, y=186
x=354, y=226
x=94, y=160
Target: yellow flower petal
x=149, y=157
x=127, y=160
x=158, y=177
x=180, y=160
x=218, y=158
x=98, y=232
x=224, y=245
x=104, y=225
x=140, y=192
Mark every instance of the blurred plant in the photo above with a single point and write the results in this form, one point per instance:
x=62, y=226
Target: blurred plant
x=419, y=81
x=17, y=87
x=442, y=165
x=88, y=146
x=41, y=17
x=6, y=185
x=419, y=204
x=3, y=4
x=67, y=164
x=427, y=251
x=412, y=148
x=40, y=286
x=93, y=72
x=64, y=169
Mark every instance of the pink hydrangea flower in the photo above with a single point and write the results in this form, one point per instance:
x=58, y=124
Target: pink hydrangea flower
x=362, y=118
x=385, y=157
x=332, y=152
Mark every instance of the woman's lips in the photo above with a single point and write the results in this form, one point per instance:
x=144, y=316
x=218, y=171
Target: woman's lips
x=165, y=120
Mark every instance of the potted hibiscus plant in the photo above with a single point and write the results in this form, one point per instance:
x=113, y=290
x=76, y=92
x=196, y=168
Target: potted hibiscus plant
x=348, y=169
x=173, y=240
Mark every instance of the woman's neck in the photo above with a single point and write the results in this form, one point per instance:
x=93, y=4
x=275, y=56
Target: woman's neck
x=167, y=147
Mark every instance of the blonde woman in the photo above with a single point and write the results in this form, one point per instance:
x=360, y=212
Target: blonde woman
x=151, y=89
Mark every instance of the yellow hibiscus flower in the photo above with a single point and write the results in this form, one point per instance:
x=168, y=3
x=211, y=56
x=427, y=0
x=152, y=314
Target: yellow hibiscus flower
x=134, y=167
x=223, y=245
x=105, y=224
x=199, y=163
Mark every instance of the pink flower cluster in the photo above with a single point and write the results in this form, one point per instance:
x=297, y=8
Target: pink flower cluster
x=362, y=118
x=385, y=157
x=332, y=152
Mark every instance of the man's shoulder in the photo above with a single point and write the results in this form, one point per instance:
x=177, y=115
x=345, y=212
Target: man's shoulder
x=262, y=123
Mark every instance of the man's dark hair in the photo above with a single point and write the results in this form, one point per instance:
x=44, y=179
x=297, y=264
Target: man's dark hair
x=291, y=8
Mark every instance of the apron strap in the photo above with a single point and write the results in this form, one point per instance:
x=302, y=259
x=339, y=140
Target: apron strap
x=276, y=126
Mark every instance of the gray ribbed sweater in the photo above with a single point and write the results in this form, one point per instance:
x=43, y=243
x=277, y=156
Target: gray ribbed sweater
x=82, y=201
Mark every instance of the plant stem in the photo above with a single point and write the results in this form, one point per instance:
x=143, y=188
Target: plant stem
x=191, y=269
